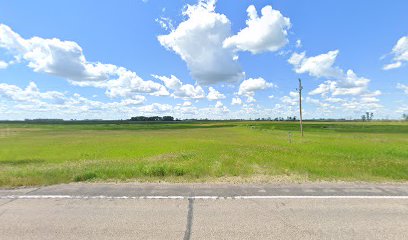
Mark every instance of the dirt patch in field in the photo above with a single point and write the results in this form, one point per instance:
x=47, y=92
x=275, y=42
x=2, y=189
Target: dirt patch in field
x=163, y=157
x=9, y=132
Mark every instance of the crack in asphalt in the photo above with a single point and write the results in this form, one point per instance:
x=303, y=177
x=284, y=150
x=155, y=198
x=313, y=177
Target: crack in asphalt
x=32, y=191
x=187, y=233
x=12, y=200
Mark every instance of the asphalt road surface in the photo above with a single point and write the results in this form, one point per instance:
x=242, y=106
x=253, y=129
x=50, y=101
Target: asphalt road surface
x=204, y=211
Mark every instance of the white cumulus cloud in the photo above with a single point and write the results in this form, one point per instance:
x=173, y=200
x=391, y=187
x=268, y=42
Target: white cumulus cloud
x=317, y=66
x=214, y=94
x=66, y=59
x=400, y=54
x=250, y=86
x=180, y=90
x=349, y=84
x=29, y=94
x=339, y=83
x=263, y=33
x=198, y=41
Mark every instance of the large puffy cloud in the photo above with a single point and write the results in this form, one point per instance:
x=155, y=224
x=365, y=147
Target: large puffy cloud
x=352, y=89
x=250, y=86
x=53, y=56
x=213, y=94
x=30, y=94
x=265, y=33
x=129, y=83
x=180, y=90
x=12, y=41
x=400, y=54
x=338, y=83
x=66, y=59
x=188, y=91
x=349, y=84
x=198, y=41
x=317, y=66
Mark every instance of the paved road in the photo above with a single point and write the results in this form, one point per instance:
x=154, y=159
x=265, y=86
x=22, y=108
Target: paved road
x=202, y=211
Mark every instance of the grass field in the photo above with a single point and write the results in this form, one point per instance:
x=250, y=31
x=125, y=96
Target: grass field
x=40, y=154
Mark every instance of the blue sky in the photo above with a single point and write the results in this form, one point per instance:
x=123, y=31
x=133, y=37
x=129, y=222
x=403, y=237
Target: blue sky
x=202, y=59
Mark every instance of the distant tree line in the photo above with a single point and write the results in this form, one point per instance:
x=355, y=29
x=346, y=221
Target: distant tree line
x=44, y=120
x=153, y=119
x=368, y=116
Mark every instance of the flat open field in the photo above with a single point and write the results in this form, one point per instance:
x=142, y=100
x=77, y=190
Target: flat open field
x=40, y=154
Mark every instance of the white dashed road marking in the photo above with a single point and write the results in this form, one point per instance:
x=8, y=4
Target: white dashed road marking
x=196, y=197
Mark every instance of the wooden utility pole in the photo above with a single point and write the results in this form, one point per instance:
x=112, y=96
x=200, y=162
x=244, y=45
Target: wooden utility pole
x=300, y=106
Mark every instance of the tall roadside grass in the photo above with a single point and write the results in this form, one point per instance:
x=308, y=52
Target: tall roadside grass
x=42, y=154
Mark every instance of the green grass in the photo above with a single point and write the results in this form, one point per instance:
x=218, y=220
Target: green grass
x=40, y=154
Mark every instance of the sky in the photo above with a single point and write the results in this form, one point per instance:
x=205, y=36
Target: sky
x=224, y=59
